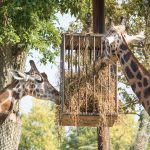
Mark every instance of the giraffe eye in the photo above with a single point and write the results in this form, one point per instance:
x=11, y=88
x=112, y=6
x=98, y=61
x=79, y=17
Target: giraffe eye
x=39, y=81
x=38, y=78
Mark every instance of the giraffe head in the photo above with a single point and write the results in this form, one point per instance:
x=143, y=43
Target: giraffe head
x=35, y=84
x=115, y=36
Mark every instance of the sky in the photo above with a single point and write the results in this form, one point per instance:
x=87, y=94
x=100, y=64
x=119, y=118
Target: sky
x=50, y=69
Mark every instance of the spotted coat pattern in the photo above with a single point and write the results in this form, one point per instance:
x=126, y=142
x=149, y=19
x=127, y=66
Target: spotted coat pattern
x=137, y=75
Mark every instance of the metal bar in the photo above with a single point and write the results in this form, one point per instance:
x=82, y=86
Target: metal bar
x=68, y=60
x=86, y=54
x=76, y=61
x=62, y=71
x=116, y=94
x=86, y=51
x=71, y=56
x=108, y=102
x=71, y=69
x=94, y=74
x=101, y=89
x=83, y=53
x=90, y=55
x=99, y=47
x=79, y=74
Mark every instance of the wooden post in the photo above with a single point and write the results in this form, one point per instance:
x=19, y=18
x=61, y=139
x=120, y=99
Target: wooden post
x=100, y=138
x=99, y=27
x=98, y=16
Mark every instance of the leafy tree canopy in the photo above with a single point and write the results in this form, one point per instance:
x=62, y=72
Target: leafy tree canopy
x=31, y=23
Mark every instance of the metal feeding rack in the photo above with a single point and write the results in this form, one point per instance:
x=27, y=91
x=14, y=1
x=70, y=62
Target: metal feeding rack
x=88, y=89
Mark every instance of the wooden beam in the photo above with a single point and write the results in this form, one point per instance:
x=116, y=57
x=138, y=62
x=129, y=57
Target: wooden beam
x=87, y=120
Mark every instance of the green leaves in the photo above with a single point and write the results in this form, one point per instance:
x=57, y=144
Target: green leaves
x=123, y=133
x=38, y=129
x=30, y=24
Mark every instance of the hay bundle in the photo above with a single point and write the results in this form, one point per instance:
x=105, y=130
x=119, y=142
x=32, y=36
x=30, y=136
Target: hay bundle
x=85, y=94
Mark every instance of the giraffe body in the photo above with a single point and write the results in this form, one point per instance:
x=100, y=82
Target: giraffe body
x=138, y=77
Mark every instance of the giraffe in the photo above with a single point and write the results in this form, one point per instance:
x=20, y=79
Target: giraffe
x=31, y=83
x=136, y=74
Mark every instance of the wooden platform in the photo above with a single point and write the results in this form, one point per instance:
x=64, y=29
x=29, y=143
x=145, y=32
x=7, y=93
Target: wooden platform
x=88, y=120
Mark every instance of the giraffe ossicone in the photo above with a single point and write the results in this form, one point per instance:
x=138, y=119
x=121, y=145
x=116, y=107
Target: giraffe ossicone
x=31, y=83
x=136, y=74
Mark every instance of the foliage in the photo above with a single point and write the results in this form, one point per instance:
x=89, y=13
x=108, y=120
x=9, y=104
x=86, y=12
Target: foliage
x=123, y=133
x=81, y=138
x=38, y=128
x=31, y=24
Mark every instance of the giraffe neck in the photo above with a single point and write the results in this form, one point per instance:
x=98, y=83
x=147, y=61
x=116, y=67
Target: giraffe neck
x=6, y=98
x=137, y=76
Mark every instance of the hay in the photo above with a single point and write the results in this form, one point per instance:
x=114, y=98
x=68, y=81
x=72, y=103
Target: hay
x=80, y=95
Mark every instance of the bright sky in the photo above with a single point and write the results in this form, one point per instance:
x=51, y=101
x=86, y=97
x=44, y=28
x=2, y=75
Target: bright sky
x=51, y=70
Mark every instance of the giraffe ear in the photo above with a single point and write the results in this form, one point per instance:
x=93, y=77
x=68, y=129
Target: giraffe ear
x=18, y=75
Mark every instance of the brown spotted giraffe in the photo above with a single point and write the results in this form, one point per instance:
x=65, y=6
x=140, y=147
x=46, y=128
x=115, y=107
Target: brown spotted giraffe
x=31, y=83
x=137, y=76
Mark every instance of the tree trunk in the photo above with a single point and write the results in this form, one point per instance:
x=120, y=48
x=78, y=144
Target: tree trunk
x=11, y=58
x=141, y=141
